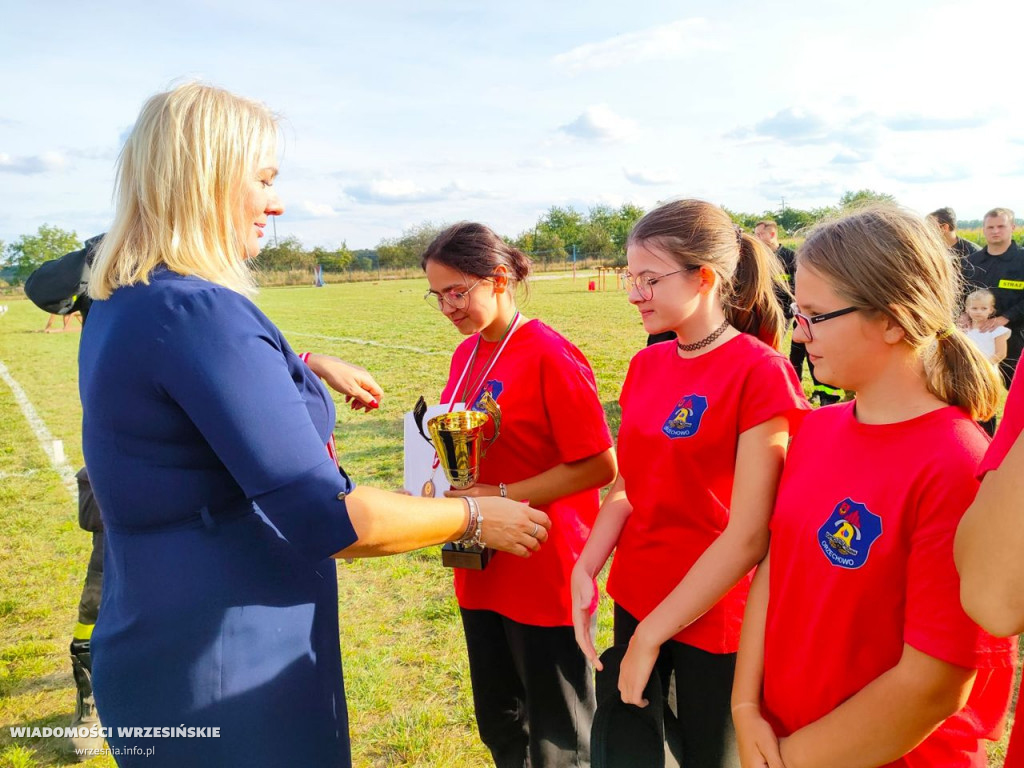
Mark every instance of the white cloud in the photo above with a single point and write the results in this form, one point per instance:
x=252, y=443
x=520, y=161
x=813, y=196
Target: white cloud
x=32, y=164
x=600, y=123
x=536, y=162
x=318, y=210
x=645, y=177
x=930, y=123
x=668, y=41
x=389, y=191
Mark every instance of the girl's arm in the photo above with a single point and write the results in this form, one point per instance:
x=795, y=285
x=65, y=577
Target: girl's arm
x=555, y=483
x=988, y=547
x=1000, y=354
x=742, y=545
x=885, y=719
x=611, y=519
x=758, y=743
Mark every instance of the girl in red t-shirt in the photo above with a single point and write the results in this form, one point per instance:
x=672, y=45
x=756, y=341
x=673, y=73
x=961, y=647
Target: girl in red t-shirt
x=532, y=689
x=989, y=543
x=855, y=650
x=705, y=423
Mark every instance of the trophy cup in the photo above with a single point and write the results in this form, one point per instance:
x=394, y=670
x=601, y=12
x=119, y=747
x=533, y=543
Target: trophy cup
x=460, y=442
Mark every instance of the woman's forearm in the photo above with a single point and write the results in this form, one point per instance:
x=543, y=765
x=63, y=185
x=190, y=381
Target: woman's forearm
x=388, y=523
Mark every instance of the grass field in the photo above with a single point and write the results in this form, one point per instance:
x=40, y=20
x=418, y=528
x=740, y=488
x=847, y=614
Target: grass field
x=406, y=673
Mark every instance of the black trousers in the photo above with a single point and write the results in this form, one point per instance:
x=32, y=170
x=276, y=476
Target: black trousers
x=701, y=735
x=89, y=520
x=533, y=692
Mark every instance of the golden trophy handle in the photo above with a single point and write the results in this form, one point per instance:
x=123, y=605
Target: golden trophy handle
x=494, y=411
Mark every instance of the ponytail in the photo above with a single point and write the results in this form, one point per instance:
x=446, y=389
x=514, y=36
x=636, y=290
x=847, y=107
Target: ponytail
x=754, y=305
x=960, y=374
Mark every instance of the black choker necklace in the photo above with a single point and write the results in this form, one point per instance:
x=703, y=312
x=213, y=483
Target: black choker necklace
x=705, y=341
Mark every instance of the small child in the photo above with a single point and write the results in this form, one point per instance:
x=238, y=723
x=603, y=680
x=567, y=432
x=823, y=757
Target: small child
x=980, y=306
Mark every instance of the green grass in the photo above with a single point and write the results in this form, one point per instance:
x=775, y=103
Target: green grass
x=407, y=679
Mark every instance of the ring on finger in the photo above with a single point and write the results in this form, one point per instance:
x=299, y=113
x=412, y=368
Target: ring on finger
x=536, y=530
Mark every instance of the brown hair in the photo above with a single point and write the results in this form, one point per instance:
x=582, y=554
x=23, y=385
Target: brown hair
x=885, y=260
x=945, y=216
x=697, y=233
x=474, y=249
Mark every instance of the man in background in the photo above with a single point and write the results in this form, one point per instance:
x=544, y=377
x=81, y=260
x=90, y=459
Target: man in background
x=59, y=287
x=999, y=267
x=945, y=220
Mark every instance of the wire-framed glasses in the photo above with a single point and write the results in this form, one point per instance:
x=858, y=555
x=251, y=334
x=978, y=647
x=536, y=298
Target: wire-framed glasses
x=806, y=321
x=453, y=298
x=644, y=284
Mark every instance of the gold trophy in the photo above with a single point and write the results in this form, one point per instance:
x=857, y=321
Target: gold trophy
x=460, y=442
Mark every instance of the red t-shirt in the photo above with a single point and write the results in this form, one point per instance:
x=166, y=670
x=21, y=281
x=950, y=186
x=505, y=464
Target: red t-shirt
x=862, y=562
x=550, y=414
x=1007, y=434
x=681, y=422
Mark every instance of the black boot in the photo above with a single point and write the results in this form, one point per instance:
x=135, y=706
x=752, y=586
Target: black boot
x=85, y=705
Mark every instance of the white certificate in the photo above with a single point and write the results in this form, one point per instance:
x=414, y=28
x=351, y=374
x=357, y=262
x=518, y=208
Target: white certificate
x=419, y=454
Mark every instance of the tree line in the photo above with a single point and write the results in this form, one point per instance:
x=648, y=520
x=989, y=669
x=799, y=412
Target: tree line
x=561, y=236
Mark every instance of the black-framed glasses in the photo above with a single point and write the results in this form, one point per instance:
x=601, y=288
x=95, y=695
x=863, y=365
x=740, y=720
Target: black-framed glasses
x=454, y=299
x=806, y=321
x=644, y=285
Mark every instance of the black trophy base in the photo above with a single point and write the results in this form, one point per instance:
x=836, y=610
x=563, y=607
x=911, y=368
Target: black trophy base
x=471, y=558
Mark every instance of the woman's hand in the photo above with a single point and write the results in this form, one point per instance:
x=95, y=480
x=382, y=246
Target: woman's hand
x=355, y=383
x=512, y=526
x=758, y=744
x=636, y=667
x=584, y=599
x=476, y=491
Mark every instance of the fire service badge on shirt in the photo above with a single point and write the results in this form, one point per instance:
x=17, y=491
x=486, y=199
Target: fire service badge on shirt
x=686, y=416
x=846, y=537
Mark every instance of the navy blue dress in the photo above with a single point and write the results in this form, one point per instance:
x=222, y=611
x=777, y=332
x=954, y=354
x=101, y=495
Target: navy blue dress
x=204, y=435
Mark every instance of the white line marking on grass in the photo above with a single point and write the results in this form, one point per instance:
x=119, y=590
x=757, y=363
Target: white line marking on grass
x=53, y=448
x=366, y=343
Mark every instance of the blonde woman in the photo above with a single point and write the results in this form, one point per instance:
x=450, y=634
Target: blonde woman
x=205, y=439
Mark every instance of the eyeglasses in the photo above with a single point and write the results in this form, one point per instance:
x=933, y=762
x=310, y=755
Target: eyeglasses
x=454, y=299
x=806, y=321
x=644, y=285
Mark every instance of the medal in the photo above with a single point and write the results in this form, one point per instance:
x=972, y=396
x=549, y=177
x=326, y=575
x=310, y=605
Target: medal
x=428, y=488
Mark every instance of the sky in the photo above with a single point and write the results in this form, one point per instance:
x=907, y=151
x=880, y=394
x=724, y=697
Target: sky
x=396, y=113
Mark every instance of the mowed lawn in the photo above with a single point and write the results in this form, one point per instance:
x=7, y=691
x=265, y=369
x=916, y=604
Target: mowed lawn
x=406, y=674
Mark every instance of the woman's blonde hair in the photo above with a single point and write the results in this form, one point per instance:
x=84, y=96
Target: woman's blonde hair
x=885, y=260
x=697, y=233
x=180, y=182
